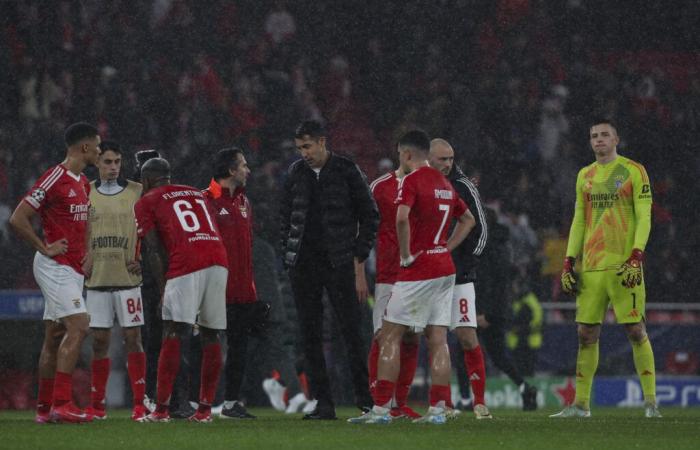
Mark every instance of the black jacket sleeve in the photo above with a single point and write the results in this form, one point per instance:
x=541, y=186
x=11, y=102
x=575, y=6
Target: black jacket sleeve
x=366, y=212
x=285, y=211
x=476, y=242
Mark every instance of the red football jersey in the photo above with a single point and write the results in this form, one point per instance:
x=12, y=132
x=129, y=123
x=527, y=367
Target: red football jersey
x=433, y=204
x=62, y=200
x=384, y=189
x=181, y=217
x=234, y=217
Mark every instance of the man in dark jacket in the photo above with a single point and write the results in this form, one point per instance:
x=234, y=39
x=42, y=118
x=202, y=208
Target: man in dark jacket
x=465, y=257
x=328, y=225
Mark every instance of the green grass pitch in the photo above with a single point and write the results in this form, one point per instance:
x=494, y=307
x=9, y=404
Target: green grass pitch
x=608, y=429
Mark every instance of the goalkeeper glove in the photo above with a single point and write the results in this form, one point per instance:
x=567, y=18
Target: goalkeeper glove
x=568, y=277
x=631, y=270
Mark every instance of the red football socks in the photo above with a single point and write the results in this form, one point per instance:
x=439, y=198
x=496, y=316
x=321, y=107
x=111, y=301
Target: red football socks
x=440, y=394
x=136, y=366
x=211, y=368
x=45, y=396
x=383, y=392
x=100, y=374
x=372, y=362
x=474, y=360
x=62, y=388
x=168, y=367
x=409, y=362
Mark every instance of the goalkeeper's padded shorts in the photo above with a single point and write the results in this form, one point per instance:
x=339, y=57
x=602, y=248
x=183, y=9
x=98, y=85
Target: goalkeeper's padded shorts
x=599, y=289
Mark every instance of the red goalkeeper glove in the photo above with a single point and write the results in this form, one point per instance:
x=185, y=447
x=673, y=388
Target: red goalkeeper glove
x=631, y=270
x=568, y=277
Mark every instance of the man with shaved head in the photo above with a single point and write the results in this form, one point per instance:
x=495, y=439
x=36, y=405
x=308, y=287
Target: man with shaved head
x=175, y=222
x=464, y=313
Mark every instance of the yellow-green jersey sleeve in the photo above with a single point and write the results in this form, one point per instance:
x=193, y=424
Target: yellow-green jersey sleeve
x=578, y=225
x=641, y=189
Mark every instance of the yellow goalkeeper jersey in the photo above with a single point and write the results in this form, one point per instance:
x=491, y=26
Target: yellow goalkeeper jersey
x=613, y=214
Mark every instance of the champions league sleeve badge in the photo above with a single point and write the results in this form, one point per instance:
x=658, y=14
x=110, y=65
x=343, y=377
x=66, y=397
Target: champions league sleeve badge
x=39, y=194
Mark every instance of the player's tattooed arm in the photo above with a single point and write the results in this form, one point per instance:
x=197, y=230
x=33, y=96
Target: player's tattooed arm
x=21, y=222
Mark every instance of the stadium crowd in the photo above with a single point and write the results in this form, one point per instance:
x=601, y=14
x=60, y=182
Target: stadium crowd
x=511, y=83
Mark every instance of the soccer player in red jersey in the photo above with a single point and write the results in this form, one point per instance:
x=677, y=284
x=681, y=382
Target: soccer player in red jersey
x=175, y=220
x=60, y=197
x=244, y=313
x=384, y=190
x=422, y=294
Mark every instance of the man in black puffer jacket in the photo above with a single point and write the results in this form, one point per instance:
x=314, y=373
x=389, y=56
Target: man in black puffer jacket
x=328, y=225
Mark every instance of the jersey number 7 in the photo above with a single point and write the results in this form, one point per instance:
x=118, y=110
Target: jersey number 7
x=445, y=214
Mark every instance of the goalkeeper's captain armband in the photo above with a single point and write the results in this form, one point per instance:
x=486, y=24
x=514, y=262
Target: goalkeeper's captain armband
x=631, y=270
x=568, y=277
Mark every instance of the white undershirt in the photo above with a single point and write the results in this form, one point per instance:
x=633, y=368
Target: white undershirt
x=109, y=187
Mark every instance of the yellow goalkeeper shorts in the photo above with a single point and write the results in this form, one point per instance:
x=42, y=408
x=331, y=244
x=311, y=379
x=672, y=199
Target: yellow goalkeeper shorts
x=600, y=289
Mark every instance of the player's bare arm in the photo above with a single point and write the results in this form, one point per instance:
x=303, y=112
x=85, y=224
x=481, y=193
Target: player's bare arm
x=361, y=281
x=21, y=222
x=133, y=267
x=88, y=260
x=156, y=259
x=465, y=224
x=403, y=233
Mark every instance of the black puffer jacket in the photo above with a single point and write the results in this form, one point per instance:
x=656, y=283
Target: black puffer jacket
x=466, y=256
x=349, y=214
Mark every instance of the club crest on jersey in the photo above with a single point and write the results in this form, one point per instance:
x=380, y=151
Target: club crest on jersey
x=244, y=211
x=619, y=180
x=39, y=194
x=588, y=186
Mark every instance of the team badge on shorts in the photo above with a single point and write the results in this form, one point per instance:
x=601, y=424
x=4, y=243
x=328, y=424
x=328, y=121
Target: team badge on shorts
x=76, y=303
x=39, y=194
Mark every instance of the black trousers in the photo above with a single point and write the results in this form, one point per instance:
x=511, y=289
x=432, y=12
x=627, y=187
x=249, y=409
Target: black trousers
x=309, y=278
x=152, y=335
x=237, y=336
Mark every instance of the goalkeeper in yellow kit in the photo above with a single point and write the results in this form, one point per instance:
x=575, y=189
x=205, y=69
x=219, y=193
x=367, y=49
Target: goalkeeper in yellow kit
x=610, y=229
